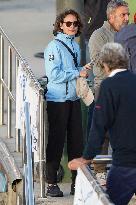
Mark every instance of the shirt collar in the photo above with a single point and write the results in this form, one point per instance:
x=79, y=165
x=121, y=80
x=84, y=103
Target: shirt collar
x=116, y=71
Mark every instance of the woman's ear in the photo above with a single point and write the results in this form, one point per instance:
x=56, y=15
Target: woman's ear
x=61, y=26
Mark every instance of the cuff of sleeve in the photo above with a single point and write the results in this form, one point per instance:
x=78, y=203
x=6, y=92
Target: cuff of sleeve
x=80, y=68
x=77, y=74
x=88, y=156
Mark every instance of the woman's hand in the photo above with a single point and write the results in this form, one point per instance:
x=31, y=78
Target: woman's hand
x=83, y=73
x=88, y=66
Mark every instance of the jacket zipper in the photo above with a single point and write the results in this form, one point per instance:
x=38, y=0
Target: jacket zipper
x=66, y=88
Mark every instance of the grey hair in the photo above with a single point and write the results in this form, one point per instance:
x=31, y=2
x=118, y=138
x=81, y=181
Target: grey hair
x=114, y=55
x=113, y=5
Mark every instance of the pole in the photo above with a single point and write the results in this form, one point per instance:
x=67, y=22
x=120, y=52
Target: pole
x=77, y=5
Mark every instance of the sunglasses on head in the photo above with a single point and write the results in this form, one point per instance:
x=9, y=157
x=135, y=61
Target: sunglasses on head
x=69, y=23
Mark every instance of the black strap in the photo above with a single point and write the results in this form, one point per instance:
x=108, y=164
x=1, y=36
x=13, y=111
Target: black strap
x=71, y=52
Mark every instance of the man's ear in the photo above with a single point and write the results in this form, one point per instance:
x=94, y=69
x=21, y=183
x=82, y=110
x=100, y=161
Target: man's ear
x=106, y=69
x=111, y=18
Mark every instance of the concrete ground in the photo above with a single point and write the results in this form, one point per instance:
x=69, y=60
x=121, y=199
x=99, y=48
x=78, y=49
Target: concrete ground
x=67, y=199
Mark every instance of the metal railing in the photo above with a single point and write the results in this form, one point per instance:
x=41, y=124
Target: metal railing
x=28, y=182
x=88, y=190
x=9, y=164
x=11, y=62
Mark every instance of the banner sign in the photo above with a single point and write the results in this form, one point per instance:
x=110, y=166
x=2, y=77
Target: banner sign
x=25, y=92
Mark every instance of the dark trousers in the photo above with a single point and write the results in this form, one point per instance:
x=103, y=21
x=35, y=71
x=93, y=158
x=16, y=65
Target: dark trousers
x=97, y=167
x=90, y=116
x=64, y=120
x=121, y=184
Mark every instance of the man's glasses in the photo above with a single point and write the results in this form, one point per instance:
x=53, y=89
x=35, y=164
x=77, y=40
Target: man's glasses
x=74, y=23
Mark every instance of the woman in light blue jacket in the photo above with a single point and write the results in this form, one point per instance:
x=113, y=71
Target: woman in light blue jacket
x=62, y=65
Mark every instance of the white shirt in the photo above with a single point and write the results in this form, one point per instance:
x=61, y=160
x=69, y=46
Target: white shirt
x=116, y=71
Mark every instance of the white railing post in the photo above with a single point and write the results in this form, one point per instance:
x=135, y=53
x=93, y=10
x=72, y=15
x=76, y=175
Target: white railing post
x=9, y=110
x=41, y=150
x=29, y=174
x=1, y=77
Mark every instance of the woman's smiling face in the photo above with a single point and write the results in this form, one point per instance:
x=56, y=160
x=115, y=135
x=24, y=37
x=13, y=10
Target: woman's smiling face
x=69, y=25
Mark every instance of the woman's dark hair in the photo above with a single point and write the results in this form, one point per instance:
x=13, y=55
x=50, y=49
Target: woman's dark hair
x=60, y=19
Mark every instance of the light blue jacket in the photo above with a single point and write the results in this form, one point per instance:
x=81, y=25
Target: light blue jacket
x=60, y=69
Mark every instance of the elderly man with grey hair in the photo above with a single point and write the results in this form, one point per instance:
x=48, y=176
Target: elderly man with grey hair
x=117, y=17
x=115, y=112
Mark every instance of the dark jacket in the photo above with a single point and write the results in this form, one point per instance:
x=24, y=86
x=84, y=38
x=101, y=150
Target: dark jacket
x=115, y=111
x=127, y=37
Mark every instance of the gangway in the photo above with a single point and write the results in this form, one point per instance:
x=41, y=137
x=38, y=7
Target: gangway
x=19, y=86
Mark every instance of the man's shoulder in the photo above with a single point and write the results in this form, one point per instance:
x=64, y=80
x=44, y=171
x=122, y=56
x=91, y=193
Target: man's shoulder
x=118, y=78
x=109, y=82
x=106, y=81
x=100, y=32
